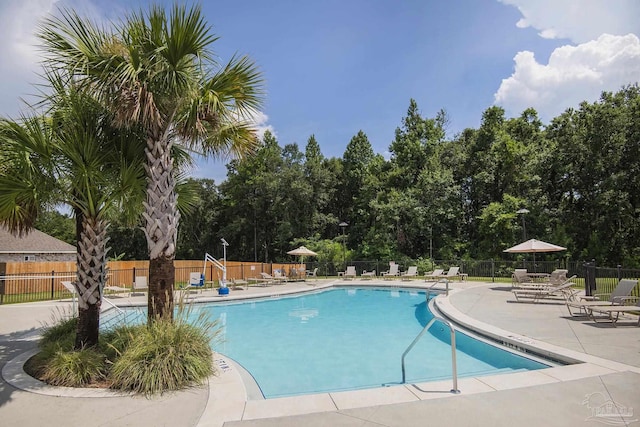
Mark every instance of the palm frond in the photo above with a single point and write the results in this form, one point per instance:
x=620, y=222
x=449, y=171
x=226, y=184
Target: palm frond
x=27, y=181
x=188, y=196
x=238, y=86
x=237, y=140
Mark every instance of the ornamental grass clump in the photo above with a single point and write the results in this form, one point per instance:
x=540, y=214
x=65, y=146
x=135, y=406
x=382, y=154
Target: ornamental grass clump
x=166, y=355
x=74, y=368
x=58, y=363
x=162, y=356
x=61, y=331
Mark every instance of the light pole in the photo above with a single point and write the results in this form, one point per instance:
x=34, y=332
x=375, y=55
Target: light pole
x=344, y=225
x=523, y=212
x=224, y=258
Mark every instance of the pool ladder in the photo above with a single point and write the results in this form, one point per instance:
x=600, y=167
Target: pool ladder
x=446, y=289
x=453, y=351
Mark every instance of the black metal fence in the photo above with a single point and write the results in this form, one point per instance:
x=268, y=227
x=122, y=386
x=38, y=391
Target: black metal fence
x=491, y=270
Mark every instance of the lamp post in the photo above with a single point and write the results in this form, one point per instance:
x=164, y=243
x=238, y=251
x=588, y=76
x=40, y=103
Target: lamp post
x=224, y=258
x=343, y=225
x=523, y=212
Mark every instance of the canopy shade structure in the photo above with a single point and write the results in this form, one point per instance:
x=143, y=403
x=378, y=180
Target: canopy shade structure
x=534, y=246
x=302, y=251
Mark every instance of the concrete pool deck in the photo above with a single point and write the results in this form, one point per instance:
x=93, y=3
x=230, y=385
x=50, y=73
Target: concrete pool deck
x=606, y=380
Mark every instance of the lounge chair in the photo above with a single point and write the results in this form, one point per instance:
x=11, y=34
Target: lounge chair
x=350, y=273
x=412, y=271
x=520, y=277
x=69, y=287
x=393, y=271
x=74, y=294
x=434, y=275
x=617, y=310
x=239, y=284
x=453, y=272
x=278, y=276
x=268, y=278
x=196, y=281
x=116, y=289
x=310, y=273
x=139, y=284
x=368, y=275
x=531, y=294
x=618, y=296
x=558, y=276
x=264, y=279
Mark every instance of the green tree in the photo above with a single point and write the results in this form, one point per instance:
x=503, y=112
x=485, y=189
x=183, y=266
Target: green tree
x=323, y=179
x=56, y=224
x=73, y=157
x=252, y=199
x=414, y=145
x=592, y=174
x=157, y=72
x=200, y=228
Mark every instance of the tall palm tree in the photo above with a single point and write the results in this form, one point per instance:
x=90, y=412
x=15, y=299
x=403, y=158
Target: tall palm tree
x=71, y=156
x=157, y=71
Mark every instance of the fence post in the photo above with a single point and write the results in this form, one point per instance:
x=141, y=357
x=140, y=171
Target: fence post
x=619, y=268
x=133, y=279
x=493, y=271
x=3, y=273
x=53, y=280
x=589, y=277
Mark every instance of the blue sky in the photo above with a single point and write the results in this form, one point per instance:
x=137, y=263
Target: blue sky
x=333, y=68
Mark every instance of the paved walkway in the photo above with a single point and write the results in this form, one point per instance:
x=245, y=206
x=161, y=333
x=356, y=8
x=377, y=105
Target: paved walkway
x=564, y=396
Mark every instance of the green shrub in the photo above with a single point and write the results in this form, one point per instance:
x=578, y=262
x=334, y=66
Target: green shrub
x=74, y=368
x=114, y=342
x=165, y=356
x=146, y=359
x=62, y=332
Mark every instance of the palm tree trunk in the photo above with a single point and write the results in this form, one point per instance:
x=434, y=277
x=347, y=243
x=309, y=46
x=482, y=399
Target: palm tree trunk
x=162, y=274
x=161, y=226
x=91, y=277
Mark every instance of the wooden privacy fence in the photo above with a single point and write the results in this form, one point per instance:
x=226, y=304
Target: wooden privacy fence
x=36, y=281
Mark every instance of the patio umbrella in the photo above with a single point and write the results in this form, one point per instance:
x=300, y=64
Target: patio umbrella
x=302, y=252
x=534, y=246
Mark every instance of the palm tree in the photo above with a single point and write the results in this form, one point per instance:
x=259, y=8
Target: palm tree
x=157, y=72
x=71, y=156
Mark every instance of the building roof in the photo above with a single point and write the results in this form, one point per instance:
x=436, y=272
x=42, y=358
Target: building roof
x=34, y=242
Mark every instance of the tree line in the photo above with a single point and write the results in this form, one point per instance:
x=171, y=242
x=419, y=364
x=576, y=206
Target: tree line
x=577, y=178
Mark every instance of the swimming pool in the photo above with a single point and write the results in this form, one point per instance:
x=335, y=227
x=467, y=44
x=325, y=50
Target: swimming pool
x=346, y=339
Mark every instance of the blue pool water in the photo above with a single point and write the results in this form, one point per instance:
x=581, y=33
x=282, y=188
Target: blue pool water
x=345, y=339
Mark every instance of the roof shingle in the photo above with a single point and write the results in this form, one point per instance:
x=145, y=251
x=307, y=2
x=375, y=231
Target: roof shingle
x=35, y=241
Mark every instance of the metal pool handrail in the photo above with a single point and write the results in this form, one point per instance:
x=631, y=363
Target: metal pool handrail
x=453, y=351
x=446, y=291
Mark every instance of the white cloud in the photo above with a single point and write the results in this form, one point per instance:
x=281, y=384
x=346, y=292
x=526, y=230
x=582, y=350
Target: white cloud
x=18, y=21
x=260, y=120
x=19, y=49
x=579, y=21
x=573, y=74
x=605, y=57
